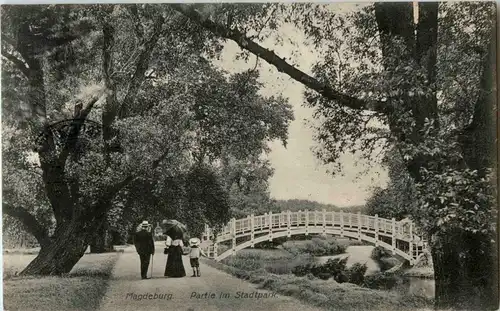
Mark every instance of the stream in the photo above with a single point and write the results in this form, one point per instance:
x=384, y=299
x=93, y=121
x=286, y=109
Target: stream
x=361, y=254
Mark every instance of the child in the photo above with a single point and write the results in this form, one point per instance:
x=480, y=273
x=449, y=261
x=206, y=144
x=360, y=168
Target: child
x=194, y=255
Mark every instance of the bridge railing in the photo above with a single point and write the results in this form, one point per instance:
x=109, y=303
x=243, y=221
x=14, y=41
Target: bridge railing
x=280, y=221
x=367, y=227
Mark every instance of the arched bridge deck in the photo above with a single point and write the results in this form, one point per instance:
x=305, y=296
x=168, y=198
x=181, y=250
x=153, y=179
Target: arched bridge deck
x=395, y=236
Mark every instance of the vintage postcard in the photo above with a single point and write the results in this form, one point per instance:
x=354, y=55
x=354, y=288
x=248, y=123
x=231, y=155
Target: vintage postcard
x=249, y=156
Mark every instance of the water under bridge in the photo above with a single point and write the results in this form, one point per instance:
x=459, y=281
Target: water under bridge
x=396, y=236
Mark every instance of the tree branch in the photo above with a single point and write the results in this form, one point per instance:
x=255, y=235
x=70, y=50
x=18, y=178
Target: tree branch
x=101, y=207
x=75, y=128
x=29, y=222
x=139, y=30
x=269, y=56
x=17, y=62
x=141, y=67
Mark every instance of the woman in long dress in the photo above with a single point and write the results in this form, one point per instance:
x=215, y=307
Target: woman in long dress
x=175, y=267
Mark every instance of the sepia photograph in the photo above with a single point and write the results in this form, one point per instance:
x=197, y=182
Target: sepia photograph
x=249, y=156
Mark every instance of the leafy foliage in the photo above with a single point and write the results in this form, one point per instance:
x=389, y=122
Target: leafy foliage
x=398, y=199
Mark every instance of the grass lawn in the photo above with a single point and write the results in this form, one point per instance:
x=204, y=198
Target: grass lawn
x=81, y=289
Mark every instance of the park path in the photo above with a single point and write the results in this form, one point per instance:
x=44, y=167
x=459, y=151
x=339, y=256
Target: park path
x=125, y=288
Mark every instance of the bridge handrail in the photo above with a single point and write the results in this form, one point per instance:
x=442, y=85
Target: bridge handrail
x=314, y=218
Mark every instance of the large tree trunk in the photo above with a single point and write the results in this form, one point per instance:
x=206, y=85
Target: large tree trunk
x=464, y=271
x=60, y=256
x=468, y=276
x=464, y=262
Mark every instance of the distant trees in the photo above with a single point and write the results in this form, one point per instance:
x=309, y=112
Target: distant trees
x=295, y=205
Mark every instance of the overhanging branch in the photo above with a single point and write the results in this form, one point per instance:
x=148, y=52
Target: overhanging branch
x=17, y=62
x=141, y=67
x=273, y=59
x=29, y=221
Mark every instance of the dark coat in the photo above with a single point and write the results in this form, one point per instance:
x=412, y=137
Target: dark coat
x=144, y=243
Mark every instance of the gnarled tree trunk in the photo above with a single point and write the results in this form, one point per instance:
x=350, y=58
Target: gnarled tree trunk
x=66, y=248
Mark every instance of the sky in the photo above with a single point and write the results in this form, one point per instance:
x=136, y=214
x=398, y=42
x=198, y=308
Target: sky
x=298, y=173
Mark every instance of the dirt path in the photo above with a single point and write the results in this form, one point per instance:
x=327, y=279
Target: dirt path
x=126, y=290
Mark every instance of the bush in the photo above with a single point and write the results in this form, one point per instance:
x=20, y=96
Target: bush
x=335, y=266
x=356, y=273
x=383, y=258
x=316, y=247
x=380, y=280
x=332, y=268
x=302, y=270
x=380, y=252
x=387, y=263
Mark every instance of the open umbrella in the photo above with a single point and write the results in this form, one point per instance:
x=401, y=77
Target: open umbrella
x=174, y=229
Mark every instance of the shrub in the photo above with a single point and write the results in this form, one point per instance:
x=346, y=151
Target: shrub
x=332, y=268
x=316, y=246
x=383, y=258
x=380, y=280
x=356, y=273
x=335, y=265
x=302, y=270
x=379, y=252
x=387, y=263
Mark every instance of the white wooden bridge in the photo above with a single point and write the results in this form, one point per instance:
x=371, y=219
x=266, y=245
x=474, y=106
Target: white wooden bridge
x=395, y=236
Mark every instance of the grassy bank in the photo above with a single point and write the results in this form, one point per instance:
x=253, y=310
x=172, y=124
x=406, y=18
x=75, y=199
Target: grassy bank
x=327, y=294
x=81, y=289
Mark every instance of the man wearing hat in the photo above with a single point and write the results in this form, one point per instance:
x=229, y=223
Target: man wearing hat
x=144, y=245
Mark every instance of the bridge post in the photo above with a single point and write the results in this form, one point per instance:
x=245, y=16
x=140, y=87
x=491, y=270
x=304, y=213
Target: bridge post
x=375, y=224
x=252, y=229
x=359, y=226
x=324, y=221
x=341, y=223
x=393, y=238
x=307, y=221
x=410, y=243
x=270, y=226
x=288, y=224
x=233, y=235
x=215, y=250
